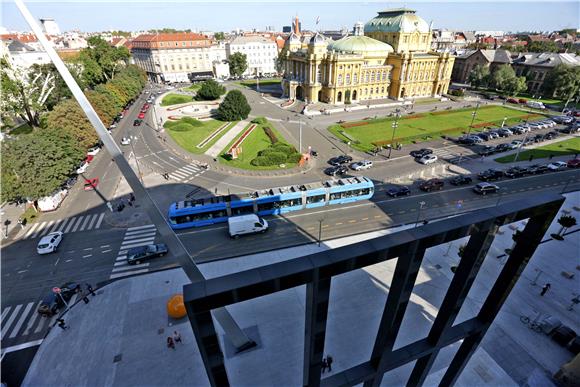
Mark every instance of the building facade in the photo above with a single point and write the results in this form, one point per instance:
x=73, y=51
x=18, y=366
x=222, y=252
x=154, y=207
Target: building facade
x=536, y=66
x=173, y=57
x=465, y=63
x=389, y=57
x=261, y=53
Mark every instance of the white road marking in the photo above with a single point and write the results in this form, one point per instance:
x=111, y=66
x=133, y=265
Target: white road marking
x=106, y=251
x=32, y=321
x=85, y=222
x=5, y=312
x=88, y=255
x=34, y=226
x=100, y=220
x=138, y=244
x=78, y=223
x=23, y=317
x=55, y=226
x=6, y=328
x=141, y=227
x=126, y=266
x=61, y=227
x=93, y=219
x=119, y=275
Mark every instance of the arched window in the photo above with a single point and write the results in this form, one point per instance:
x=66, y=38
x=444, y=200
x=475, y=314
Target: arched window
x=384, y=75
x=340, y=79
x=348, y=79
x=372, y=76
x=366, y=77
x=355, y=78
x=377, y=90
x=383, y=90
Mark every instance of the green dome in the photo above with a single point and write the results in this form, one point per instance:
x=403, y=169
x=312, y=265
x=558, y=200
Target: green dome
x=397, y=20
x=359, y=44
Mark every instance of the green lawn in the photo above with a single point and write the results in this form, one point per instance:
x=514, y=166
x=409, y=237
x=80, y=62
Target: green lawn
x=560, y=148
x=549, y=101
x=175, y=99
x=426, y=127
x=194, y=87
x=263, y=82
x=254, y=143
x=188, y=136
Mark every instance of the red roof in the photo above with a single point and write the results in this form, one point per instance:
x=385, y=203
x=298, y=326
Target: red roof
x=24, y=38
x=170, y=37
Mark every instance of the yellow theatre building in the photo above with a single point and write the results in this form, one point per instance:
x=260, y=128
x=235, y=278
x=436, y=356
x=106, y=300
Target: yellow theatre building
x=388, y=57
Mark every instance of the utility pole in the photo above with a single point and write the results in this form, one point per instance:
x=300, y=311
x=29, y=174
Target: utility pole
x=395, y=125
x=320, y=230
x=421, y=204
x=473, y=118
x=522, y=144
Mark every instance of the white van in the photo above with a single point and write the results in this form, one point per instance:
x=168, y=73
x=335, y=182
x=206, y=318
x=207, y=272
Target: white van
x=535, y=105
x=246, y=224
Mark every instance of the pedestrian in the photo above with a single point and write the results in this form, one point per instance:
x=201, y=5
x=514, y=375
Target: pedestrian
x=324, y=365
x=215, y=190
x=551, y=156
x=90, y=289
x=170, y=343
x=329, y=361
x=61, y=324
x=545, y=288
x=85, y=299
x=176, y=337
x=132, y=197
x=130, y=203
x=531, y=157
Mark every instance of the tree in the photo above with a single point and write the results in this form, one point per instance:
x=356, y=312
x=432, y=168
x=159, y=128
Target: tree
x=234, y=107
x=499, y=78
x=280, y=60
x=69, y=118
x=210, y=90
x=35, y=165
x=219, y=36
x=566, y=221
x=479, y=75
x=562, y=82
x=515, y=85
x=547, y=46
x=238, y=63
x=101, y=54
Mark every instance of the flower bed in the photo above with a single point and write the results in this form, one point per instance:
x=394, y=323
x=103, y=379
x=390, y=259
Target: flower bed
x=212, y=135
x=353, y=124
x=287, y=103
x=241, y=139
x=414, y=116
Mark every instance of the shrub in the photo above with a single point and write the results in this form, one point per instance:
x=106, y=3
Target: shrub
x=182, y=127
x=458, y=92
x=271, y=135
x=259, y=161
x=191, y=121
x=294, y=157
x=284, y=148
x=234, y=107
x=260, y=120
x=210, y=90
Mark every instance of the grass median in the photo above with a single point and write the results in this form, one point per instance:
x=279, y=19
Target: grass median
x=557, y=149
x=189, y=132
x=175, y=99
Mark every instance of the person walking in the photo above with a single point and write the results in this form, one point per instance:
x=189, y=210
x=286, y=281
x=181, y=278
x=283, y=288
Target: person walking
x=545, y=288
x=329, y=361
x=170, y=343
x=85, y=299
x=90, y=290
x=324, y=365
x=61, y=324
x=176, y=337
x=132, y=197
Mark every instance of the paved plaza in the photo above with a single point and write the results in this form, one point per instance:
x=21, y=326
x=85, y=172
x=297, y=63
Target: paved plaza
x=119, y=338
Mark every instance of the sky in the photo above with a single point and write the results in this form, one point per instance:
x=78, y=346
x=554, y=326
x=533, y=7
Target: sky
x=89, y=16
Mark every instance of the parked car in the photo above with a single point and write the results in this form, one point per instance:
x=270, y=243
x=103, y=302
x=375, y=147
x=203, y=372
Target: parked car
x=493, y=134
x=514, y=172
x=512, y=100
x=505, y=132
x=485, y=188
x=431, y=185
x=490, y=174
x=52, y=303
x=335, y=170
x=502, y=147
x=557, y=166
x=484, y=136
x=49, y=243
x=338, y=160
x=421, y=152
x=398, y=191
x=428, y=159
x=83, y=167
x=137, y=122
x=538, y=138
x=574, y=163
x=136, y=255
x=487, y=150
x=93, y=151
x=141, y=115
x=537, y=169
x=91, y=184
x=563, y=119
x=360, y=165
x=461, y=180
x=522, y=100
x=125, y=141
x=515, y=144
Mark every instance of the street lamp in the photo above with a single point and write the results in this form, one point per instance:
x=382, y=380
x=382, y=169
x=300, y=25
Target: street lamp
x=300, y=137
x=395, y=125
x=473, y=118
x=523, y=142
x=421, y=204
x=503, y=122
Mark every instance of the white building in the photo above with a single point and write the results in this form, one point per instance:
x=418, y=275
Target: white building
x=50, y=27
x=261, y=53
x=23, y=55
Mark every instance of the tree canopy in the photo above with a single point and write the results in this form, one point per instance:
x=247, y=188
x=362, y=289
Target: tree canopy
x=505, y=80
x=210, y=90
x=479, y=75
x=234, y=107
x=562, y=82
x=219, y=36
x=238, y=63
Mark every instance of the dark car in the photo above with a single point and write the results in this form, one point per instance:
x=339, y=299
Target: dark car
x=339, y=160
x=550, y=135
x=487, y=150
x=137, y=255
x=537, y=169
x=137, y=122
x=490, y=174
x=484, y=136
x=52, y=303
x=431, y=185
x=538, y=138
x=398, y=191
x=485, y=188
x=502, y=147
x=336, y=170
x=514, y=172
x=461, y=180
x=421, y=152
x=491, y=97
x=504, y=132
x=574, y=163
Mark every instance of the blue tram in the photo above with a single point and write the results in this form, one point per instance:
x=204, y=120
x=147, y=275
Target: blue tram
x=275, y=201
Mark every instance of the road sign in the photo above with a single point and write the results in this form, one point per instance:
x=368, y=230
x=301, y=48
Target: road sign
x=56, y=290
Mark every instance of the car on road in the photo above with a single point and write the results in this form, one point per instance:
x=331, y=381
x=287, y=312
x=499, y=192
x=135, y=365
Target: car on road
x=485, y=188
x=557, y=166
x=461, y=180
x=93, y=151
x=515, y=172
x=91, y=184
x=490, y=174
x=512, y=100
x=502, y=147
x=487, y=150
x=339, y=160
x=137, y=122
x=49, y=243
x=398, y=191
x=125, y=141
x=360, y=165
x=336, y=170
x=136, y=255
x=418, y=153
x=432, y=185
x=112, y=126
x=141, y=115
x=574, y=163
x=537, y=169
x=427, y=159
x=52, y=303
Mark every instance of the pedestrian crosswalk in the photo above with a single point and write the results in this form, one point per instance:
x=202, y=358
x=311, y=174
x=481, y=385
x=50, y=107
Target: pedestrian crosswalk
x=22, y=322
x=187, y=173
x=134, y=237
x=73, y=224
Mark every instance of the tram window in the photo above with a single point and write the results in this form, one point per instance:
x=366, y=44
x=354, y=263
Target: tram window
x=290, y=203
x=266, y=206
x=315, y=199
x=242, y=210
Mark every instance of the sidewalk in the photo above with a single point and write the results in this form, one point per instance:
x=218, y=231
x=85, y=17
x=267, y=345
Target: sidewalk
x=119, y=338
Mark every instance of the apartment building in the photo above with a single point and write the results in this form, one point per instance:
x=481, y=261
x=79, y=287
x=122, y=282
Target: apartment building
x=261, y=53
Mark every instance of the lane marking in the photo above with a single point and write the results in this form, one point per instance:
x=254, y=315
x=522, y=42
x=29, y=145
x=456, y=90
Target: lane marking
x=146, y=239
x=106, y=251
x=86, y=256
x=365, y=219
x=141, y=227
x=352, y=221
x=126, y=266
x=6, y=327
x=103, y=246
x=119, y=275
x=78, y=223
x=32, y=321
x=338, y=224
x=88, y=248
x=85, y=222
x=93, y=219
x=61, y=227
x=23, y=317
x=100, y=220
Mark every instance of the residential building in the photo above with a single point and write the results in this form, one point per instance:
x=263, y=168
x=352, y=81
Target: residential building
x=465, y=63
x=388, y=57
x=536, y=66
x=443, y=40
x=50, y=27
x=261, y=53
x=23, y=53
x=173, y=57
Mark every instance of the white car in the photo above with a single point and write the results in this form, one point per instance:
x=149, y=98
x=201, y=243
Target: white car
x=112, y=126
x=427, y=159
x=49, y=243
x=93, y=151
x=360, y=165
x=125, y=141
x=556, y=166
x=82, y=168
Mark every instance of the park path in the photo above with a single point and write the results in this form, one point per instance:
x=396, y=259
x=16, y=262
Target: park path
x=220, y=144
